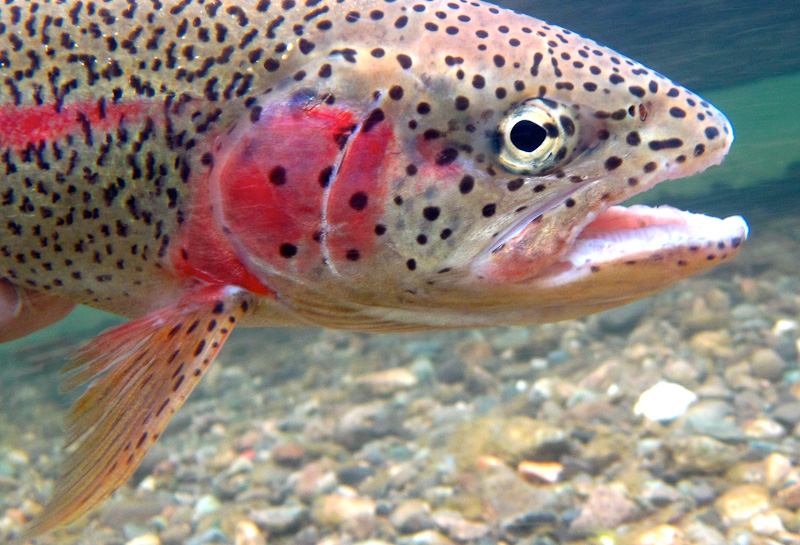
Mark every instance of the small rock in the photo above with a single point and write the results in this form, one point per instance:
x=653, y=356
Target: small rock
x=423, y=369
x=119, y=514
x=605, y=508
x=505, y=494
x=146, y=539
x=712, y=343
x=540, y=472
x=789, y=497
x=523, y=438
x=768, y=524
x=700, y=454
x=701, y=534
x=353, y=475
x=241, y=464
x=450, y=372
x=763, y=429
x=474, y=351
x=205, y=505
x=665, y=534
x=211, y=536
x=777, y=468
x=248, y=533
x=334, y=509
x=412, y=516
x=280, y=520
x=787, y=414
x=715, y=418
x=623, y=319
x=742, y=503
x=363, y=423
x=428, y=537
x=659, y=493
x=683, y=372
x=526, y=523
x=465, y=530
x=664, y=401
x=176, y=534
x=288, y=454
x=385, y=383
x=767, y=364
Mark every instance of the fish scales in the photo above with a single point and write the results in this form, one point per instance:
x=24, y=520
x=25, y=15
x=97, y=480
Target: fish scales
x=372, y=165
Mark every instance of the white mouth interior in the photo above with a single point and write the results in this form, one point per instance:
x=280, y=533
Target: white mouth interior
x=628, y=232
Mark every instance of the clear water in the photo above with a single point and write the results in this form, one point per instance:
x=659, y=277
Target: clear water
x=743, y=57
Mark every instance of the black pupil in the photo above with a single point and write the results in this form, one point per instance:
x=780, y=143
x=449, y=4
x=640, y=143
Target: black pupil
x=527, y=135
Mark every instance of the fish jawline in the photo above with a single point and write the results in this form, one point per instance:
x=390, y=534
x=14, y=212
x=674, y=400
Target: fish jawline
x=627, y=235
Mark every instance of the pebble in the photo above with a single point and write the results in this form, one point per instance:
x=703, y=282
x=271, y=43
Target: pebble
x=388, y=382
x=427, y=537
x=767, y=364
x=334, y=509
x=764, y=429
x=540, y=472
x=701, y=454
x=280, y=520
x=606, y=507
x=664, y=534
x=712, y=344
x=623, y=319
x=776, y=468
x=146, y=539
x=248, y=533
x=787, y=414
x=412, y=516
x=353, y=475
x=288, y=454
x=789, y=497
x=465, y=530
x=664, y=401
x=205, y=505
x=714, y=418
x=699, y=533
x=742, y=503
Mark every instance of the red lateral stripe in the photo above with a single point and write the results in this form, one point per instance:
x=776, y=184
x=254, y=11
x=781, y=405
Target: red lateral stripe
x=23, y=125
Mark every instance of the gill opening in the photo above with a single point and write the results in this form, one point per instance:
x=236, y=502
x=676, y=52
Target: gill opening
x=326, y=192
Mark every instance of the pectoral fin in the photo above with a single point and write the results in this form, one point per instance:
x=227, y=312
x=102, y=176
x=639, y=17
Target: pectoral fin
x=24, y=311
x=142, y=371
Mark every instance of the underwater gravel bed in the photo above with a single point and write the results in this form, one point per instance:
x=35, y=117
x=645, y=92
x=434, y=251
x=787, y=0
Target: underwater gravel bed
x=518, y=435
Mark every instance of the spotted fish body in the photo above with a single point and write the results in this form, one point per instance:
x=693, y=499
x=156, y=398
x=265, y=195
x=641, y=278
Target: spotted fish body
x=373, y=165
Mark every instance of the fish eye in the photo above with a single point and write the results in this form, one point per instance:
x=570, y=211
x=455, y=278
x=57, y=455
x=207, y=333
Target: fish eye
x=527, y=136
x=536, y=136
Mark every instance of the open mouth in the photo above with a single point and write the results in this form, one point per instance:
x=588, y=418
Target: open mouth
x=627, y=235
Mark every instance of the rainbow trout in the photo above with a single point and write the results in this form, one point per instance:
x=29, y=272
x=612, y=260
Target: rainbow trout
x=389, y=165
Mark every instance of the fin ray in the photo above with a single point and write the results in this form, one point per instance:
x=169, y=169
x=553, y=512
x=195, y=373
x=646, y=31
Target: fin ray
x=142, y=372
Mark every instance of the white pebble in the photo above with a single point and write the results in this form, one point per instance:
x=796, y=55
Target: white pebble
x=785, y=326
x=664, y=402
x=147, y=539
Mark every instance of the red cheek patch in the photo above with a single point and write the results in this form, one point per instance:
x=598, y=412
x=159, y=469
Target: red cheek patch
x=288, y=190
x=358, y=195
x=273, y=180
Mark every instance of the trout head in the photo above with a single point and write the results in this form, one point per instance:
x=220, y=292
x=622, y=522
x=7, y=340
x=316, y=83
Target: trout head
x=463, y=171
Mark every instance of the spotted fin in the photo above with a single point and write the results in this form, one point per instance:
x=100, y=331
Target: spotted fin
x=143, y=371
